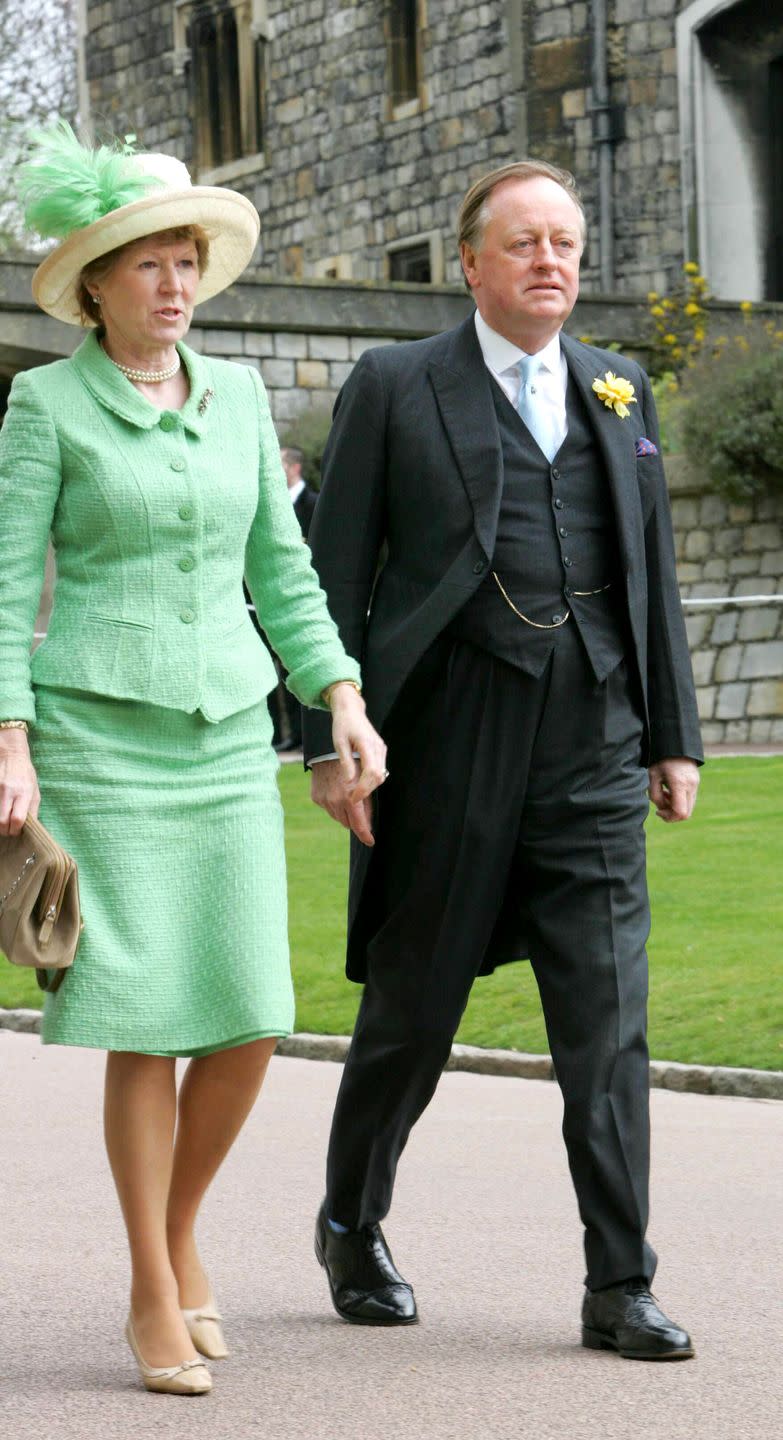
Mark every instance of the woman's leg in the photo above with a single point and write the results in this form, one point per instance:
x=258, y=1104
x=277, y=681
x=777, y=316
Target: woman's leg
x=215, y=1098
x=140, y=1110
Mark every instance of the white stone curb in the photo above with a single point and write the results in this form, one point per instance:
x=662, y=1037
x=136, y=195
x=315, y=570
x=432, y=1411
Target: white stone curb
x=664, y=1074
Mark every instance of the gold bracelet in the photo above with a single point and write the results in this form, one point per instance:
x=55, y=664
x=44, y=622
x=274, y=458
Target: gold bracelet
x=14, y=725
x=326, y=694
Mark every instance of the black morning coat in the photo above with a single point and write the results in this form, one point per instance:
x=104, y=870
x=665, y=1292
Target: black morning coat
x=411, y=490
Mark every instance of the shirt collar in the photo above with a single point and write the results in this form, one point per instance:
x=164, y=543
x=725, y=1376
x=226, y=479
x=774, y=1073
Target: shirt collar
x=111, y=388
x=296, y=490
x=501, y=354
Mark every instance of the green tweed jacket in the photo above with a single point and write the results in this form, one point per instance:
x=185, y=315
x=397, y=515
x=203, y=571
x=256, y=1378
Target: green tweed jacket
x=155, y=517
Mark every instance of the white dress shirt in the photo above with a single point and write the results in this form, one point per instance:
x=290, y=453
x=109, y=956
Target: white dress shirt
x=501, y=358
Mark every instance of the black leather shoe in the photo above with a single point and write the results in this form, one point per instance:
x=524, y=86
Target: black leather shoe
x=626, y=1318
x=366, y=1288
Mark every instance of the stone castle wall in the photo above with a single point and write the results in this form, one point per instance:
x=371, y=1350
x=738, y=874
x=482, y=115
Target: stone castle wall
x=734, y=549
x=499, y=79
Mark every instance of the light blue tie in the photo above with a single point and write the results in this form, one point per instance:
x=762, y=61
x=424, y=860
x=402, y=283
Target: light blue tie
x=539, y=418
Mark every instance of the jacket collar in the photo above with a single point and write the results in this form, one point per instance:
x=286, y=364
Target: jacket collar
x=114, y=391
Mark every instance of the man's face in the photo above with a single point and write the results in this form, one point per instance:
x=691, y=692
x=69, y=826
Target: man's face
x=525, y=273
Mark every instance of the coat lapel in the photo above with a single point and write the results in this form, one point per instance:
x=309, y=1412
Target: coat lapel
x=461, y=384
x=616, y=438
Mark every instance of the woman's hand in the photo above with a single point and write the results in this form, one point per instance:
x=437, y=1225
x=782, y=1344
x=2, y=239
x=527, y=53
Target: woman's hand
x=19, y=793
x=343, y=787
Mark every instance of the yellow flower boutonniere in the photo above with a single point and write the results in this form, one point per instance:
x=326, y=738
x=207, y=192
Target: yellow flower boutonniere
x=616, y=393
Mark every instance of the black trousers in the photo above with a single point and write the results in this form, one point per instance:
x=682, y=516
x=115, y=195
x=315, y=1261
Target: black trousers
x=509, y=792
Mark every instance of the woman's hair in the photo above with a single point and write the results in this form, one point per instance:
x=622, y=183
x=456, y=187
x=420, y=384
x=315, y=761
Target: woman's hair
x=475, y=210
x=97, y=270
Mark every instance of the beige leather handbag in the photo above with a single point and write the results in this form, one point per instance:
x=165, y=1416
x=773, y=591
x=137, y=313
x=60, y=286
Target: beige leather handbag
x=40, y=921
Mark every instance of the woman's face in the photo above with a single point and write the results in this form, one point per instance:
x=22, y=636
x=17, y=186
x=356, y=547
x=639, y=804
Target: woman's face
x=147, y=298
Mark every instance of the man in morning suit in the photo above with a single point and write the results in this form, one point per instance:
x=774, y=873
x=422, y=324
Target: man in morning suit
x=494, y=538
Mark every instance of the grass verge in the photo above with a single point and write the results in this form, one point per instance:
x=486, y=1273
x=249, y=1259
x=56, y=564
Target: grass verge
x=716, y=995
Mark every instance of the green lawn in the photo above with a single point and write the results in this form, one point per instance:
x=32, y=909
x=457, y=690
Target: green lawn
x=715, y=952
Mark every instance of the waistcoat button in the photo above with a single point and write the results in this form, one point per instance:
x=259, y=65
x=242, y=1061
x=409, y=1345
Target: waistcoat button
x=558, y=504
x=185, y=512
x=478, y=567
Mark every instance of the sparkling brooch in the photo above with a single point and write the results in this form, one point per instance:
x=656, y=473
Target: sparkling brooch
x=204, y=401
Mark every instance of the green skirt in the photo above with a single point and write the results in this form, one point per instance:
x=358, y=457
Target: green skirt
x=177, y=829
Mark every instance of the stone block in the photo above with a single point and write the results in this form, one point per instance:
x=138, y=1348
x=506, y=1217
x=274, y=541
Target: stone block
x=756, y=585
x=776, y=731
x=222, y=342
x=716, y=569
x=339, y=370
x=258, y=342
x=359, y=343
x=724, y=628
x=728, y=540
x=328, y=347
x=688, y=573
x=573, y=103
x=560, y=64
x=740, y=513
x=685, y=513
x=698, y=545
x=697, y=628
x=737, y=731
x=312, y=374
x=278, y=374
x=731, y=700
x=705, y=702
x=760, y=731
x=289, y=111
x=759, y=624
x=712, y=510
x=703, y=662
x=762, y=660
x=766, y=698
x=744, y=565
x=290, y=346
x=762, y=537
x=772, y=563
x=728, y=664
x=712, y=732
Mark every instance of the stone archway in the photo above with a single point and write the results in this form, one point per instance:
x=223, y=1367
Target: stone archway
x=730, y=57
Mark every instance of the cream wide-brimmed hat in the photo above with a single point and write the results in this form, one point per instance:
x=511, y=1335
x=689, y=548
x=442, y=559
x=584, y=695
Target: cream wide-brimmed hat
x=96, y=200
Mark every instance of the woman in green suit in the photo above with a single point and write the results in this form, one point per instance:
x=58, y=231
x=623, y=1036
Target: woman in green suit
x=157, y=474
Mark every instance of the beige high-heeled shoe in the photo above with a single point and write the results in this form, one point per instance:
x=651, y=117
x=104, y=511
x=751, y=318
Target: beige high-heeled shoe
x=204, y=1329
x=190, y=1378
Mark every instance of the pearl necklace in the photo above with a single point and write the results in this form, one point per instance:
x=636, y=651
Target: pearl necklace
x=147, y=377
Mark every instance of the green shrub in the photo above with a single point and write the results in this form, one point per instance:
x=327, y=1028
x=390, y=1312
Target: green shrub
x=309, y=432
x=729, y=415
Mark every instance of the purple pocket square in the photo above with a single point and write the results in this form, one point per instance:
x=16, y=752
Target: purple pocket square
x=645, y=447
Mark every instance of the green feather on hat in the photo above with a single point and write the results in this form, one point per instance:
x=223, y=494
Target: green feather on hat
x=65, y=186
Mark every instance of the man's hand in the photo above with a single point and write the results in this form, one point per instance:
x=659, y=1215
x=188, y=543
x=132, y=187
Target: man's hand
x=343, y=787
x=672, y=788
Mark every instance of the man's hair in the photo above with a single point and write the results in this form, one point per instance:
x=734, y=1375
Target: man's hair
x=292, y=454
x=475, y=210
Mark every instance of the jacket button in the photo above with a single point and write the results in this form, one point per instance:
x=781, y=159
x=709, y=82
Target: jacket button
x=555, y=473
x=187, y=616
x=178, y=463
x=167, y=421
x=563, y=531
x=478, y=568
x=185, y=512
x=558, y=504
x=188, y=563
x=566, y=561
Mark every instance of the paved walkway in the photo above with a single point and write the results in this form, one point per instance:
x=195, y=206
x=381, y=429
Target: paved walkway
x=484, y=1223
